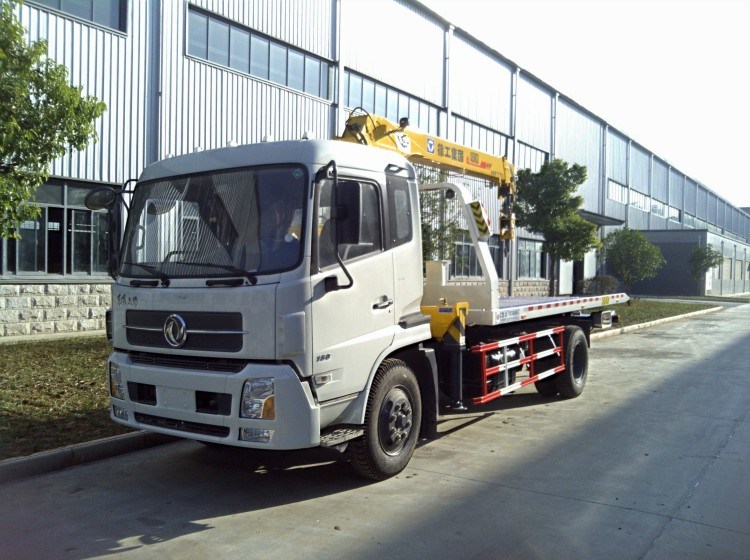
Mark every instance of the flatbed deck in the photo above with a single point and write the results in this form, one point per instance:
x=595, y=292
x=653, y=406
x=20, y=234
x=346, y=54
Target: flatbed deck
x=513, y=309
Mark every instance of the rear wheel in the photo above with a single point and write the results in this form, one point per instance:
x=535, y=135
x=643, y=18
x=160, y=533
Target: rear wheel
x=571, y=381
x=392, y=421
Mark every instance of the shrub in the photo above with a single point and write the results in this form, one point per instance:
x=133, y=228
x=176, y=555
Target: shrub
x=597, y=285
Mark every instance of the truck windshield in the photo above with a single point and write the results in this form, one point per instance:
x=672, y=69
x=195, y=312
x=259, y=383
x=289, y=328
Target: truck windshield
x=246, y=221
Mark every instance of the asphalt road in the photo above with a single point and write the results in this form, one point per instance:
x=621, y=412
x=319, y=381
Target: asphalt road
x=651, y=462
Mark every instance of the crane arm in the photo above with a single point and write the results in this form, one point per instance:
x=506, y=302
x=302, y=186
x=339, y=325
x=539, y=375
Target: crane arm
x=435, y=152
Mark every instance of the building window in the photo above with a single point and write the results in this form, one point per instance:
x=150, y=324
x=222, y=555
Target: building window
x=674, y=214
x=528, y=157
x=230, y=44
x=384, y=101
x=483, y=138
x=617, y=192
x=530, y=259
x=658, y=208
x=726, y=269
x=65, y=239
x=640, y=201
x=464, y=263
x=108, y=13
x=739, y=269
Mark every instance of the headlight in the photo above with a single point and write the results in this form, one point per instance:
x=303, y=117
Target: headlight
x=116, y=388
x=258, y=399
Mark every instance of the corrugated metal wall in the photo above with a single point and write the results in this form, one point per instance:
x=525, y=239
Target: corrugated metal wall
x=691, y=189
x=640, y=164
x=617, y=157
x=701, y=203
x=660, y=181
x=579, y=140
x=534, y=115
x=480, y=86
x=392, y=42
x=676, y=188
x=206, y=106
x=111, y=66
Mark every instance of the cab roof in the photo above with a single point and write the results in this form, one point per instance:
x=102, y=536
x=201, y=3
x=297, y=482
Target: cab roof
x=303, y=152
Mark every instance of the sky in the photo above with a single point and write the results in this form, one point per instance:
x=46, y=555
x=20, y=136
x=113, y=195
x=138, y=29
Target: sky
x=674, y=75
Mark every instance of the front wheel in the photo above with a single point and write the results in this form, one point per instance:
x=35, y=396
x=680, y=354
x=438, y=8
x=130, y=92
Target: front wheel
x=392, y=422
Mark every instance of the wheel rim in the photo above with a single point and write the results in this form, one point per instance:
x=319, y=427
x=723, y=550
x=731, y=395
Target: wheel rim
x=579, y=363
x=395, y=422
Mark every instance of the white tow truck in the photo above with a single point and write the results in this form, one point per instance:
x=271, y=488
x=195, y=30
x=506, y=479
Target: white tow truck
x=273, y=296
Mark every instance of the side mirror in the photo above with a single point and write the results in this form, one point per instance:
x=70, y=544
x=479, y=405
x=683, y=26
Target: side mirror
x=101, y=198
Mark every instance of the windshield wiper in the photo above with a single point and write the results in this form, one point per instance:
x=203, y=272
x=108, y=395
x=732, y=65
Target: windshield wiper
x=154, y=272
x=252, y=278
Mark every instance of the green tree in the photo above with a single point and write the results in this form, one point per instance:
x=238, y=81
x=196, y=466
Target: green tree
x=546, y=203
x=703, y=259
x=41, y=115
x=631, y=256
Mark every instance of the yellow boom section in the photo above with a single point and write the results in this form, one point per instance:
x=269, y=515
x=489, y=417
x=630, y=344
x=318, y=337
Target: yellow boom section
x=425, y=149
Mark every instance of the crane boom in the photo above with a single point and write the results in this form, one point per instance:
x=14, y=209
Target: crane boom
x=438, y=153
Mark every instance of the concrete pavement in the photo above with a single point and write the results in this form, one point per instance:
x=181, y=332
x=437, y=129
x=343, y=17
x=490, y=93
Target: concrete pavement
x=651, y=462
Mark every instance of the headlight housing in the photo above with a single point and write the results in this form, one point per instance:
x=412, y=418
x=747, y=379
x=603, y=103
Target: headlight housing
x=258, y=399
x=116, y=388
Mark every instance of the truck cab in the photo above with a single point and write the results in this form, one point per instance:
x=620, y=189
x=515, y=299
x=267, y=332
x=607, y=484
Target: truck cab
x=259, y=289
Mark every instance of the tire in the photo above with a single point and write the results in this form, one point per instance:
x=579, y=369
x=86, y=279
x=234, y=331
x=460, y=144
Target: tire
x=392, y=422
x=572, y=380
x=547, y=387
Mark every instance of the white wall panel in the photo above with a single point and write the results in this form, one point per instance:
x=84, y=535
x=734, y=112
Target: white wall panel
x=393, y=43
x=617, y=157
x=579, y=140
x=205, y=106
x=701, y=204
x=534, y=115
x=111, y=66
x=480, y=86
x=676, y=188
x=690, y=196
x=659, y=181
x=640, y=162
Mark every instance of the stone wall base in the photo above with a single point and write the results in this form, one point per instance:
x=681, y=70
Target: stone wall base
x=30, y=309
x=525, y=288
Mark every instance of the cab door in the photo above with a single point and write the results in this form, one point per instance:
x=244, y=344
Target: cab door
x=353, y=315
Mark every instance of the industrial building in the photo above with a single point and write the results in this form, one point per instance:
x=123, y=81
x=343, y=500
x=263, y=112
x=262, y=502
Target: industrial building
x=184, y=75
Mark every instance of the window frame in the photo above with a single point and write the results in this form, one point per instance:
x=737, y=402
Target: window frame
x=122, y=16
x=65, y=209
x=382, y=218
x=297, y=81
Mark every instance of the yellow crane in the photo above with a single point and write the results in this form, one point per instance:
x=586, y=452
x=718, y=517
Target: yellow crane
x=438, y=153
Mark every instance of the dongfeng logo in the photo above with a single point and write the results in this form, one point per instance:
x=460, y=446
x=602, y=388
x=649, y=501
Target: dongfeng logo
x=175, y=331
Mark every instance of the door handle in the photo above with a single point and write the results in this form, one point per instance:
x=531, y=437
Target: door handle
x=384, y=303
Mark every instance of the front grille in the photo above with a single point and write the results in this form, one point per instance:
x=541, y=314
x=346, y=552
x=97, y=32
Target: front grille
x=144, y=328
x=182, y=425
x=211, y=365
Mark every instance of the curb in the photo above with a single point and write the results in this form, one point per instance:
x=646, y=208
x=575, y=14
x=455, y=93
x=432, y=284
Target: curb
x=46, y=462
x=49, y=461
x=631, y=328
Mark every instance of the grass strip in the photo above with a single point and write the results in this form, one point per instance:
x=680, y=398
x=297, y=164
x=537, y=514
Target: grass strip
x=52, y=394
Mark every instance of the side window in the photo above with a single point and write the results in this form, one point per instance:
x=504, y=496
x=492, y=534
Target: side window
x=359, y=228
x=399, y=211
